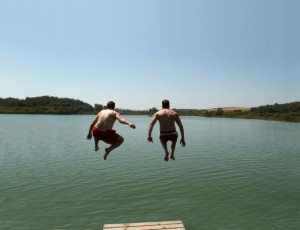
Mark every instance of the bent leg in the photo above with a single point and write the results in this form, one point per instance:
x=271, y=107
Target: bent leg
x=116, y=144
x=96, y=144
x=164, y=145
x=173, y=146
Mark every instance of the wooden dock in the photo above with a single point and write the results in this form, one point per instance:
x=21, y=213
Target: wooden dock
x=168, y=225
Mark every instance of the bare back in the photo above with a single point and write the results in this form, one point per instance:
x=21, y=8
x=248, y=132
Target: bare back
x=167, y=119
x=106, y=119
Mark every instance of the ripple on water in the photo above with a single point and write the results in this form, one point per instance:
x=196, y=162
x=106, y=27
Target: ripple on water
x=232, y=174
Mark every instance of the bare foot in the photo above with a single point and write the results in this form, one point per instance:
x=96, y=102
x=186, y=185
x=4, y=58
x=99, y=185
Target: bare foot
x=106, y=153
x=172, y=157
x=166, y=157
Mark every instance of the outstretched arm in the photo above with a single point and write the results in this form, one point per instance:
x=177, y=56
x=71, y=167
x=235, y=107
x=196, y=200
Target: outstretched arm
x=89, y=136
x=154, y=120
x=178, y=122
x=123, y=121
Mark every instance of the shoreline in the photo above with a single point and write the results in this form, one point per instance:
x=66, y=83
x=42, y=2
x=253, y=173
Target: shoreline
x=229, y=115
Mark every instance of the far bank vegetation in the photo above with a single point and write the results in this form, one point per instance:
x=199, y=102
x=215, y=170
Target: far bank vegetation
x=66, y=106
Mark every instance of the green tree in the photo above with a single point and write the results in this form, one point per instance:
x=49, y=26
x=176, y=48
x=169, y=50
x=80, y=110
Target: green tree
x=219, y=112
x=98, y=107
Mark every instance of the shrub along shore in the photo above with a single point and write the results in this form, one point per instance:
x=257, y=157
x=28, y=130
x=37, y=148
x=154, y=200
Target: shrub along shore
x=66, y=106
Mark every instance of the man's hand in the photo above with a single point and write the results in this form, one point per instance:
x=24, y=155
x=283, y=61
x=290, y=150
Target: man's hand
x=89, y=136
x=132, y=125
x=182, y=142
x=150, y=140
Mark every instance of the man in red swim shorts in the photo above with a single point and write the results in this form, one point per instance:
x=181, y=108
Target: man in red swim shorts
x=101, y=128
x=167, y=119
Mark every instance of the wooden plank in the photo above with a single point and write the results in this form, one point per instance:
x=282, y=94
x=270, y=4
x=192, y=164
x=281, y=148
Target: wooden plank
x=147, y=227
x=169, y=225
x=145, y=223
x=143, y=228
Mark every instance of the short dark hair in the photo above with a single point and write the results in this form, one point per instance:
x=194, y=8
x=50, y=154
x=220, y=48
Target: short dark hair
x=165, y=104
x=111, y=105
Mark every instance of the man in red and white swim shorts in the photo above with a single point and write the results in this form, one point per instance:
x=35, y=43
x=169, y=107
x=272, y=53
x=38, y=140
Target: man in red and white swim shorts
x=102, y=128
x=108, y=136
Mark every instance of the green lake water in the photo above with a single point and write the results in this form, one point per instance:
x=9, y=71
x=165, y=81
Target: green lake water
x=233, y=174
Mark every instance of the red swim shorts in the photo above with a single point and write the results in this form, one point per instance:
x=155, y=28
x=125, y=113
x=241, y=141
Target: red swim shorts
x=169, y=135
x=108, y=136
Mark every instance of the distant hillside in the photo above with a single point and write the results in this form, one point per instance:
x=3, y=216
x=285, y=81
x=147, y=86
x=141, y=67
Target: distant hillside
x=230, y=109
x=54, y=105
x=277, y=112
x=292, y=107
x=44, y=105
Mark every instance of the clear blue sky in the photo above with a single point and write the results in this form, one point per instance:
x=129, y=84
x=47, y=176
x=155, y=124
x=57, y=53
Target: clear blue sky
x=196, y=53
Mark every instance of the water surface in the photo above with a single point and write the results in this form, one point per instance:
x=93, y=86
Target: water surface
x=233, y=174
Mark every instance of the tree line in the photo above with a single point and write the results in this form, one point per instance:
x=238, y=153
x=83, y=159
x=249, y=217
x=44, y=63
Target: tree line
x=292, y=107
x=277, y=112
x=55, y=105
x=44, y=105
